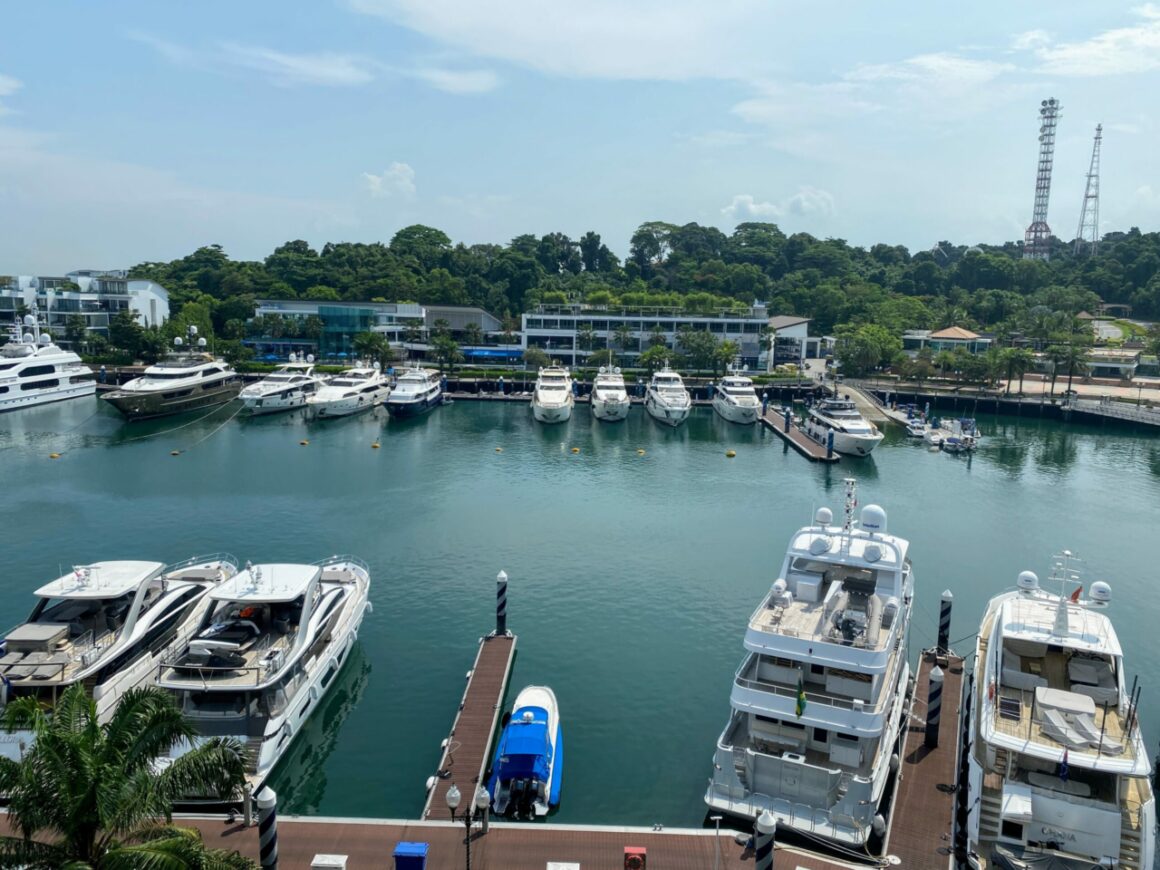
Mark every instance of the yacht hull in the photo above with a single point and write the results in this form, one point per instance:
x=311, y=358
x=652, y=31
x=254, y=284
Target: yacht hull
x=844, y=442
x=15, y=400
x=258, y=405
x=742, y=414
x=554, y=414
x=610, y=412
x=148, y=405
x=346, y=406
x=666, y=414
x=403, y=410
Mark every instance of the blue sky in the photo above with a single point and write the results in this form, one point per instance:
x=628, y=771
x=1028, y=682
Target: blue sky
x=135, y=131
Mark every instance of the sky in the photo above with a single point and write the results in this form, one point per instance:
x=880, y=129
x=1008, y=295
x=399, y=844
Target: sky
x=134, y=131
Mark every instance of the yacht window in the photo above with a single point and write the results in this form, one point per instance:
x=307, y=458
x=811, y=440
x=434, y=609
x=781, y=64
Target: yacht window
x=4, y=366
x=851, y=737
x=208, y=372
x=33, y=371
x=821, y=735
x=1013, y=830
x=3, y=390
x=817, y=669
x=40, y=385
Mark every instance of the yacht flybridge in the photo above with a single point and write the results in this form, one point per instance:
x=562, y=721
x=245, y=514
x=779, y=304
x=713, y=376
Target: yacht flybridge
x=820, y=698
x=552, y=399
x=1058, y=771
x=266, y=651
x=351, y=391
x=105, y=625
x=735, y=399
x=667, y=401
x=853, y=435
x=34, y=371
x=284, y=389
x=416, y=392
x=609, y=399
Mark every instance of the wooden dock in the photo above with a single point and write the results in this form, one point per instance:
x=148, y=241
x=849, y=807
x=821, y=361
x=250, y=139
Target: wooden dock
x=468, y=746
x=797, y=439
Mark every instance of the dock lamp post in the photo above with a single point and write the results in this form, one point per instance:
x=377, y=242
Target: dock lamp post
x=482, y=805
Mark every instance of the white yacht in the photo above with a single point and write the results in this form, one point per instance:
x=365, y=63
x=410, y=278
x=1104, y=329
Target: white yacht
x=416, y=392
x=265, y=653
x=735, y=399
x=34, y=371
x=609, y=400
x=667, y=400
x=284, y=389
x=186, y=380
x=552, y=399
x=853, y=435
x=350, y=391
x=819, y=700
x=106, y=625
x=1058, y=771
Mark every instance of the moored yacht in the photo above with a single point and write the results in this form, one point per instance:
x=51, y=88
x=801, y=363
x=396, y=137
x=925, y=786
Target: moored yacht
x=1058, y=772
x=265, y=653
x=552, y=399
x=34, y=371
x=819, y=700
x=284, y=389
x=839, y=417
x=416, y=392
x=105, y=625
x=735, y=399
x=609, y=398
x=667, y=401
x=526, y=772
x=349, y=392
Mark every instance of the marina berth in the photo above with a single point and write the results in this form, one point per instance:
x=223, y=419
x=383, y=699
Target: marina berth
x=526, y=774
x=284, y=389
x=735, y=399
x=1058, y=769
x=666, y=400
x=34, y=371
x=609, y=400
x=351, y=391
x=264, y=654
x=552, y=399
x=839, y=417
x=818, y=702
x=416, y=392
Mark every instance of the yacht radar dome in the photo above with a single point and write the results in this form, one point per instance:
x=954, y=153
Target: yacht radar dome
x=872, y=553
x=310, y=357
x=1027, y=581
x=528, y=716
x=178, y=342
x=819, y=545
x=603, y=370
x=616, y=370
x=29, y=320
x=45, y=339
x=824, y=516
x=192, y=330
x=779, y=586
x=1100, y=593
x=874, y=518
x=201, y=342
x=27, y=338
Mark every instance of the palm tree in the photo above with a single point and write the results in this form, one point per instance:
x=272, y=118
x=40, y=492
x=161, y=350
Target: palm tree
x=1072, y=357
x=622, y=335
x=473, y=334
x=447, y=351
x=441, y=327
x=86, y=795
x=1019, y=361
x=373, y=346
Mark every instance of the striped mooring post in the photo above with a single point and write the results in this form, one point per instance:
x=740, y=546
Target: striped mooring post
x=830, y=444
x=501, y=603
x=944, y=622
x=267, y=802
x=763, y=831
x=933, y=707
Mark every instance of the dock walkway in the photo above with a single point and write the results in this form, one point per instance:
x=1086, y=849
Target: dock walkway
x=797, y=439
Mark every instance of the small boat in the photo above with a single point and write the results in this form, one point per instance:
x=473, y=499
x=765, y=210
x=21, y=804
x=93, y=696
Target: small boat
x=416, y=392
x=284, y=389
x=34, y=371
x=735, y=399
x=609, y=398
x=667, y=401
x=933, y=436
x=552, y=399
x=916, y=428
x=350, y=391
x=527, y=768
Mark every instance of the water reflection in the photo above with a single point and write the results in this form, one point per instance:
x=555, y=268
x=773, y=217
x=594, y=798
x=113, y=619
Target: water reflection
x=1057, y=451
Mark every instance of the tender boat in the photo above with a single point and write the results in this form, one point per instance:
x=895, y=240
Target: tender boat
x=666, y=400
x=351, y=391
x=552, y=399
x=106, y=625
x=34, y=371
x=186, y=380
x=819, y=701
x=265, y=654
x=609, y=400
x=527, y=768
x=284, y=389
x=416, y=392
x=1059, y=774
x=735, y=399
x=933, y=436
x=916, y=428
x=853, y=435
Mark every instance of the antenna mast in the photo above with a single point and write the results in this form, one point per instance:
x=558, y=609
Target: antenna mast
x=1089, y=215
x=1037, y=240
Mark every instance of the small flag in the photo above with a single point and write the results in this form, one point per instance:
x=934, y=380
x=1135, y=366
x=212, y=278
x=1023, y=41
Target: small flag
x=1075, y=595
x=801, y=698
x=1063, y=767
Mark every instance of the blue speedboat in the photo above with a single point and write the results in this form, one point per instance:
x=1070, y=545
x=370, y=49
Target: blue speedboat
x=416, y=392
x=527, y=768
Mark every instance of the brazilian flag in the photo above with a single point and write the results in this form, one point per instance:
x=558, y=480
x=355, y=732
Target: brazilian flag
x=801, y=698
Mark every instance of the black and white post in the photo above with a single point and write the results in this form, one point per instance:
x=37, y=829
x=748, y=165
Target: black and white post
x=501, y=604
x=933, y=707
x=763, y=829
x=944, y=623
x=267, y=802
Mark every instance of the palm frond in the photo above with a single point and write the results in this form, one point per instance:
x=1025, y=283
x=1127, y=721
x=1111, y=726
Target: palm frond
x=19, y=852
x=146, y=723
x=216, y=768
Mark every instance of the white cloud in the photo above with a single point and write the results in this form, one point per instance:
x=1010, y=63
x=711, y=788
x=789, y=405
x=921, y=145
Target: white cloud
x=798, y=103
x=8, y=86
x=398, y=179
x=807, y=202
x=171, y=51
x=1121, y=51
x=941, y=69
x=283, y=68
x=716, y=138
x=1031, y=39
x=474, y=81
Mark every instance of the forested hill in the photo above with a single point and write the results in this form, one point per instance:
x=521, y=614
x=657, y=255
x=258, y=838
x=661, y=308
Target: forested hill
x=693, y=266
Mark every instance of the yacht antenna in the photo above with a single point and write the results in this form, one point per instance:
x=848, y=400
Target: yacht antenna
x=851, y=503
x=1065, y=573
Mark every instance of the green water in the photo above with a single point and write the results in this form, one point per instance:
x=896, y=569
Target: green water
x=631, y=576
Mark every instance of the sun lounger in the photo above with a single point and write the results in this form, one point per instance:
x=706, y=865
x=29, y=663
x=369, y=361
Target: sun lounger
x=27, y=666
x=10, y=659
x=51, y=669
x=1085, y=726
x=1057, y=728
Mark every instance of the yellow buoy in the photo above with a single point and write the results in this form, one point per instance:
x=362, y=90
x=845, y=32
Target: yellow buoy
x=303, y=442
x=174, y=452
x=54, y=456
x=730, y=453
x=375, y=446
x=499, y=450
x=640, y=452
x=575, y=449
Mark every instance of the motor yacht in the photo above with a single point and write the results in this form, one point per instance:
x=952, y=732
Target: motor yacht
x=735, y=399
x=34, y=371
x=852, y=434
x=819, y=701
x=416, y=392
x=666, y=400
x=351, y=391
x=265, y=654
x=284, y=389
x=106, y=625
x=527, y=770
x=1058, y=772
x=552, y=399
x=609, y=400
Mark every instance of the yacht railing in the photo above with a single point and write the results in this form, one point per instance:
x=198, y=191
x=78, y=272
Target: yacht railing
x=742, y=679
x=340, y=559
x=227, y=558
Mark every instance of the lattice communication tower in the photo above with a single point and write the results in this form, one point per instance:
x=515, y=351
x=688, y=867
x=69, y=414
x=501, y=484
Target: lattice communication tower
x=1089, y=216
x=1037, y=240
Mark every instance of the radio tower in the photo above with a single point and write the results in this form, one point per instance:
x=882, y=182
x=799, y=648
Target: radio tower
x=1089, y=215
x=1037, y=240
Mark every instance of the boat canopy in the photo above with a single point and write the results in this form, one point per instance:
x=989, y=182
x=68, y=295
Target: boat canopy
x=525, y=747
x=101, y=580
x=271, y=582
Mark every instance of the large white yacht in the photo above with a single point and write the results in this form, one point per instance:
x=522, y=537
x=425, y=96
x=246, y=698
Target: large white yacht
x=284, y=389
x=34, y=371
x=667, y=400
x=106, y=625
x=820, y=697
x=265, y=654
x=609, y=399
x=1058, y=771
x=350, y=391
x=416, y=392
x=853, y=435
x=552, y=399
x=735, y=399
x=186, y=380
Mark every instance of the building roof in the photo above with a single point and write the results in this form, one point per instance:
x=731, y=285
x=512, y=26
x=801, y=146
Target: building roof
x=955, y=333
x=784, y=321
x=101, y=580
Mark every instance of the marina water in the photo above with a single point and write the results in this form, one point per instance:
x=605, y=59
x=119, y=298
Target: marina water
x=632, y=574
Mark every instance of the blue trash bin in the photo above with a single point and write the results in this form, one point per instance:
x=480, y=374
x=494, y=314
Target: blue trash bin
x=411, y=856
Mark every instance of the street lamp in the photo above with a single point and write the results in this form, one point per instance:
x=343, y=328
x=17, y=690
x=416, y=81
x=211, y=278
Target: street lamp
x=453, y=798
x=716, y=820
x=482, y=805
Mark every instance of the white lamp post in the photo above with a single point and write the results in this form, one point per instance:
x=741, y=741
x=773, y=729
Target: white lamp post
x=453, y=797
x=482, y=804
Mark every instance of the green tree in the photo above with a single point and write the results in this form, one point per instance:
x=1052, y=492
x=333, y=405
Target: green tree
x=413, y=332
x=374, y=347
x=74, y=330
x=656, y=336
x=473, y=334
x=623, y=336
x=864, y=348
x=536, y=358
x=446, y=351
x=726, y=353
x=699, y=347
x=604, y=357
x=90, y=795
x=586, y=336
x=125, y=332
x=1018, y=361
x=657, y=357
x=441, y=328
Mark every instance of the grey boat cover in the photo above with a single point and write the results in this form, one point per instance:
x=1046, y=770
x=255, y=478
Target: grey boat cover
x=1018, y=859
